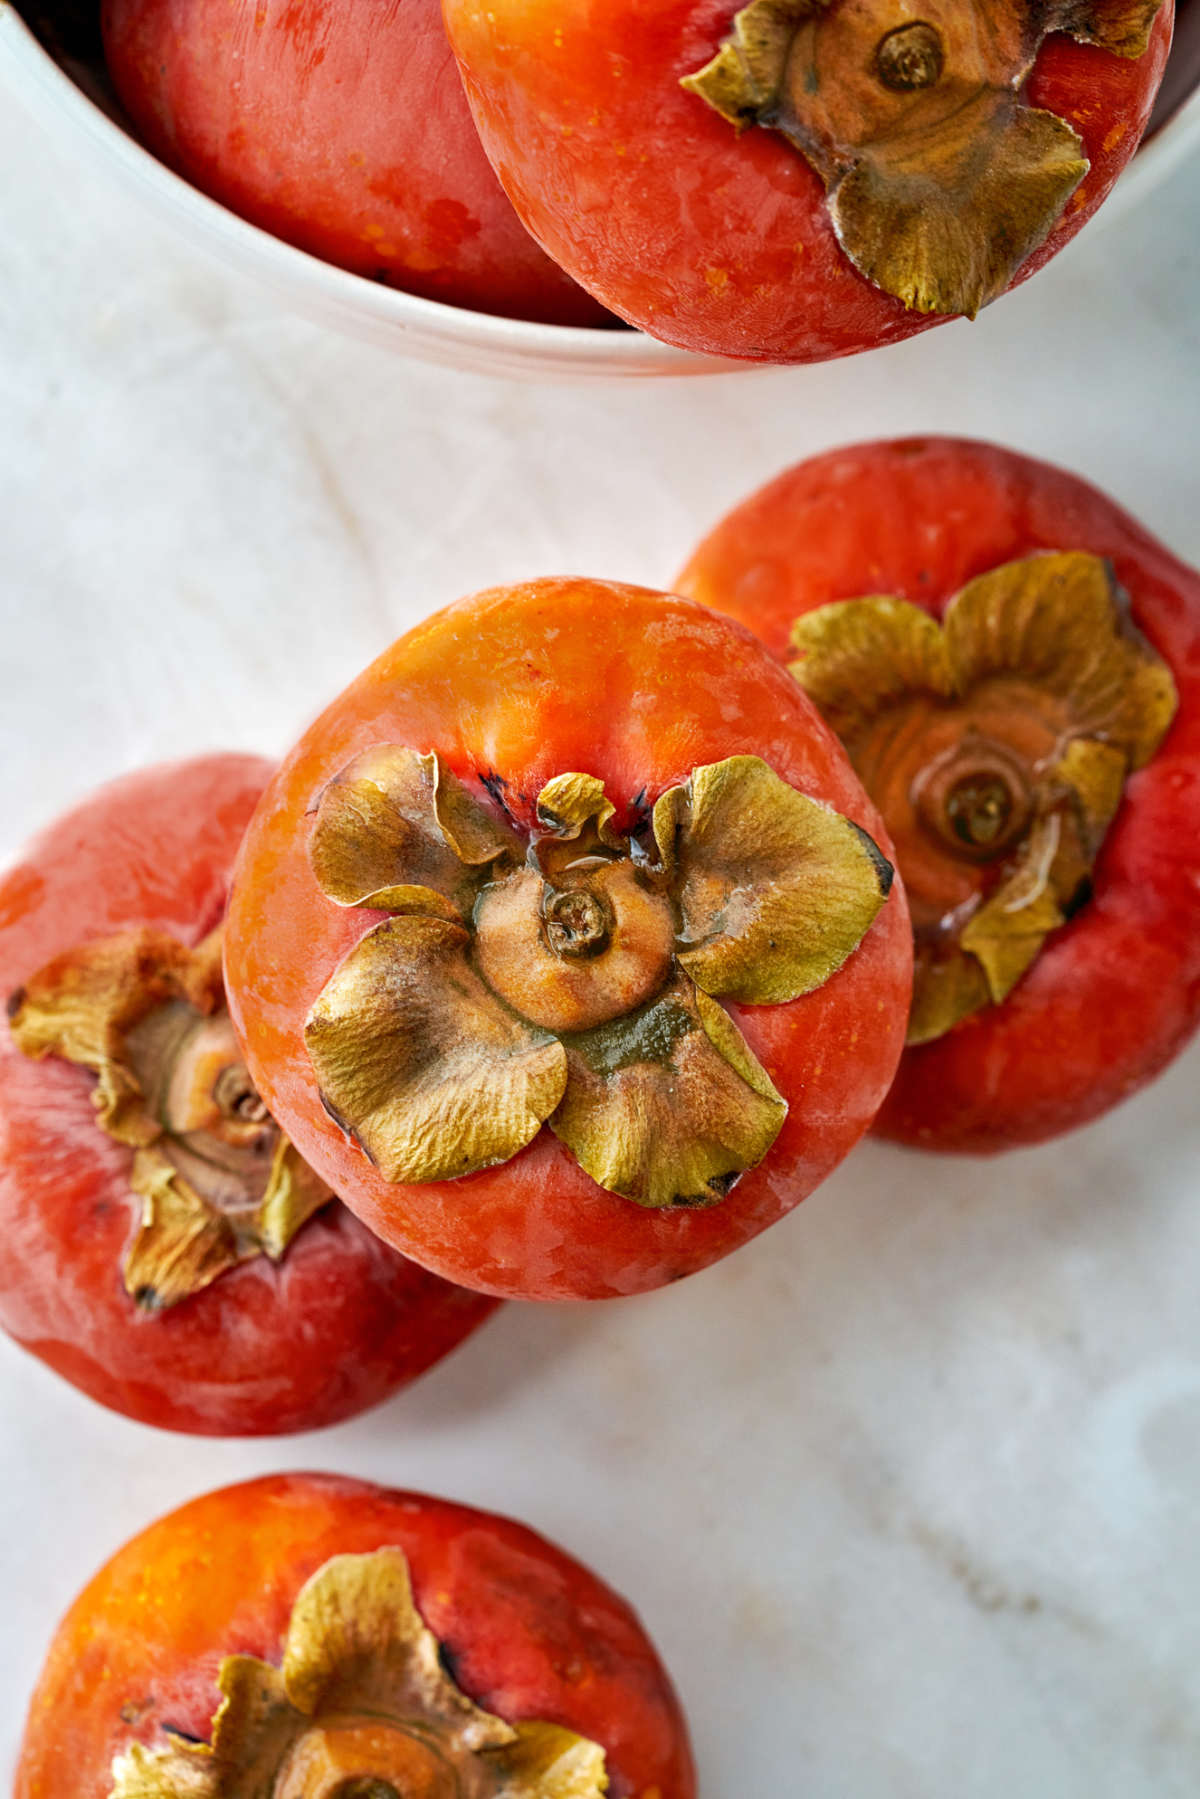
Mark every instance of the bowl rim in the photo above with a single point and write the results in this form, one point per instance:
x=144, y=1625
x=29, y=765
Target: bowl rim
x=458, y=336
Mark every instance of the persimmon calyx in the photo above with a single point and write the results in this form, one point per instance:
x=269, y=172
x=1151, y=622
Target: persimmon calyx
x=940, y=182
x=997, y=745
x=361, y=1708
x=571, y=975
x=217, y=1180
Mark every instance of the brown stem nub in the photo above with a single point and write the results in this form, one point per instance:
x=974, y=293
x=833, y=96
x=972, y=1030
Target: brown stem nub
x=979, y=809
x=577, y=923
x=237, y=1097
x=910, y=58
x=360, y=1756
x=977, y=800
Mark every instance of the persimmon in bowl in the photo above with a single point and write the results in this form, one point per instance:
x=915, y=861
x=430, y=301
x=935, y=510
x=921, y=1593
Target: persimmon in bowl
x=795, y=180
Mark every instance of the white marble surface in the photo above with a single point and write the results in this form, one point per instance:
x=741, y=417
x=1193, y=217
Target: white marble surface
x=907, y=1491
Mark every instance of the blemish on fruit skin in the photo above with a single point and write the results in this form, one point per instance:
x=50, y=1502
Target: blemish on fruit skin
x=717, y=279
x=22, y=892
x=134, y=1711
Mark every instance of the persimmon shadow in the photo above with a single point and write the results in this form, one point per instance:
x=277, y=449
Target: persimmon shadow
x=485, y=1373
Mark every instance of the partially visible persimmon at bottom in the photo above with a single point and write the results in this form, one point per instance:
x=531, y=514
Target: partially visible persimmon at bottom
x=363, y=1641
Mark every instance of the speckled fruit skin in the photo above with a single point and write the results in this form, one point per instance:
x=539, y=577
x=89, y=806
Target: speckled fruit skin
x=339, y=1324
x=708, y=240
x=340, y=126
x=529, y=1632
x=1115, y=994
x=526, y=683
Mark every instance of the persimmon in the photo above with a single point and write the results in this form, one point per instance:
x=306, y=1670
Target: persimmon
x=564, y=944
x=341, y=127
x=792, y=180
x=327, y=1636
x=162, y=1246
x=1013, y=664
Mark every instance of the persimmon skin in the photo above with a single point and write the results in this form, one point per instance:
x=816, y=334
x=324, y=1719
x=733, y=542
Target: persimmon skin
x=530, y=1633
x=529, y=682
x=710, y=240
x=1114, y=994
x=336, y=1326
x=341, y=127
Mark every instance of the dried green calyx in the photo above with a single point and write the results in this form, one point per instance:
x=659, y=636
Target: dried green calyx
x=940, y=181
x=217, y=1181
x=361, y=1708
x=570, y=976
x=997, y=745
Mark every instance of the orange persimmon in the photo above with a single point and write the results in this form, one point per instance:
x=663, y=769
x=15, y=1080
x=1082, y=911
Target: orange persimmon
x=507, y=880
x=384, y=1643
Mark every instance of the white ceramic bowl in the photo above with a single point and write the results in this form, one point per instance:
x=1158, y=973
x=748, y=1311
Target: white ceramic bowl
x=366, y=309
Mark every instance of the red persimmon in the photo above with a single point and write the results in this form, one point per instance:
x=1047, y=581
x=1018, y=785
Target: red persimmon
x=390, y=1644
x=340, y=126
x=131, y=1139
x=789, y=181
x=1036, y=758
x=580, y=855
